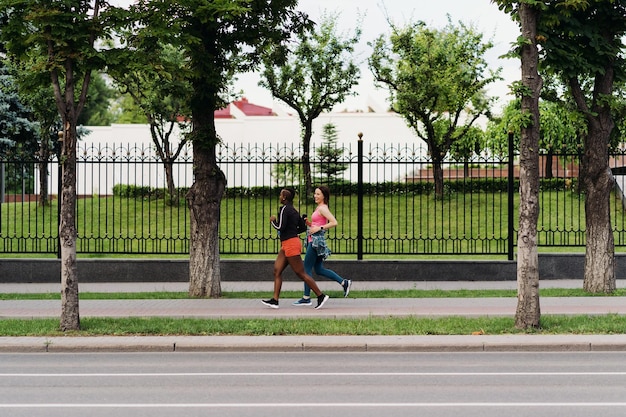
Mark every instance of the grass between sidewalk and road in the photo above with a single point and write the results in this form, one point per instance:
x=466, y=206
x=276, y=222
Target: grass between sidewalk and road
x=454, y=325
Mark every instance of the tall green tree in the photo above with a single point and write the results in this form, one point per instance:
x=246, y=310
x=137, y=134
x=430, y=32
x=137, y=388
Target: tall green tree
x=528, y=311
x=583, y=43
x=436, y=79
x=318, y=73
x=18, y=132
x=158, y=83
x=42, y=105
x=561, y=128
x=58, y=39
x=329, y=155
x=560, y=132
x=469, y=145
x=219, y=38
x=526, y=13
x=18, y=137
x=36, y=91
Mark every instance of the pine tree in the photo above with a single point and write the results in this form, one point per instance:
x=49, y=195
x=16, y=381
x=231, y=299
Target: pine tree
x=329, y=155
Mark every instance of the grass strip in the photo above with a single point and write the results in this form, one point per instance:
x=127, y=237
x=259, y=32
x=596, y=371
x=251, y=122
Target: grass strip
x=412, y=293
x=372, y=326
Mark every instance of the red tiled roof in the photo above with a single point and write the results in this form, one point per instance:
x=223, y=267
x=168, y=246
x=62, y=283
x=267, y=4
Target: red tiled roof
x=246, y=108
x=223, y=113
x=250, y=109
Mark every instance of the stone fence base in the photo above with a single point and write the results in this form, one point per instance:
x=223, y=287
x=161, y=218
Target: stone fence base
x=557, y=266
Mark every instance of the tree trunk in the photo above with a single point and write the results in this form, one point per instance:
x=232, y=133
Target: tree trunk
x=169, y=178
x=44, y=156
x=528, y=311
x=160, y=138
x=438, y=178
x=599, y=253
x=70, y=318
x=204, y=199
x=548, y=168
x=43, y=183
x=437, y=156
x=598, y=183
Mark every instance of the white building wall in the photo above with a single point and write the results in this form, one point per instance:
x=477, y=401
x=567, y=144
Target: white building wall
x=108, y=144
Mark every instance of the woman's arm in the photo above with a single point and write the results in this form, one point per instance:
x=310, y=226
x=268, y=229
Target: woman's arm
x=277, y=223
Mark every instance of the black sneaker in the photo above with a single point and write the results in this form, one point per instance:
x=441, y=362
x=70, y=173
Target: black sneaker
x=321, y=300
x=271, y=303
x=346, y=286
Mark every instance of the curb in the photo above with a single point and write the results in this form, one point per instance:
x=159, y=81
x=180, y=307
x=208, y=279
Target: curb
x=479, y=343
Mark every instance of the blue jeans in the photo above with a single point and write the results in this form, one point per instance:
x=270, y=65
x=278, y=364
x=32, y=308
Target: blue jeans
x=314, y=262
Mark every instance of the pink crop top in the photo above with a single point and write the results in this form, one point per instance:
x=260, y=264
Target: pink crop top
x=317, y=220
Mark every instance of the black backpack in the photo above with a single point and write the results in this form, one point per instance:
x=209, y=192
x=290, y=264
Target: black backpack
x=301, y=224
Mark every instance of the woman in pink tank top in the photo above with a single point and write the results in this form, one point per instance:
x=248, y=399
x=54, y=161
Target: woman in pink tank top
x=317, y=251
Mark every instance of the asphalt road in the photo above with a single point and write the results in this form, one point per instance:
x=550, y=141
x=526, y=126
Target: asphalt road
x=486, y=384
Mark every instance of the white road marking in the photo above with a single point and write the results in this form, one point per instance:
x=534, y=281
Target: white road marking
x=299, y=374
x=320, y=405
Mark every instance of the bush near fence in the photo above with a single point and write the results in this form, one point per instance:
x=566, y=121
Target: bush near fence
x=386, y=188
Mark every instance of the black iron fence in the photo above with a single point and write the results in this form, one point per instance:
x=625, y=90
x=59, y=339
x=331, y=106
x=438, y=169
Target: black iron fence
x=383, y=196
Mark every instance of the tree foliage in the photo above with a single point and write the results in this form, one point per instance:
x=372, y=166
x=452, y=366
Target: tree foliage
x=98, y=104
x=584, y=47
x=218, y=39
x=19, y=136
x=561, y=130
x=329, y=155
x=157, y=81
x=582, y=44
x=56, y=42
x=317, y=74
x=436, y=79
x=18, y=132
x=528, y=90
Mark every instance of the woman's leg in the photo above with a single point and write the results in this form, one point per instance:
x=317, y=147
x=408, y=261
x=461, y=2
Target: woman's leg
x=309, y=261
x=324, y=272
x=279, y=266
x=298, y=267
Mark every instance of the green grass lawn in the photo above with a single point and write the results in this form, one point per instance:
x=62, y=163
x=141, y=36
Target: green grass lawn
x=371, y=326
x=454, y=325
x=398, y=225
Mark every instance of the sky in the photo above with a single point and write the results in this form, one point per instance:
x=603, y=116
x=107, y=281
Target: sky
x=483, y=14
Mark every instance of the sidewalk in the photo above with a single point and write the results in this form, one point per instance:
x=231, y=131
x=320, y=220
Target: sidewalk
x=266, y=286
x=334, y=309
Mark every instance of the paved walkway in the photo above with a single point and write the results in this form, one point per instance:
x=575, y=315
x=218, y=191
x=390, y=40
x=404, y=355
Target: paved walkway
x=335, y=308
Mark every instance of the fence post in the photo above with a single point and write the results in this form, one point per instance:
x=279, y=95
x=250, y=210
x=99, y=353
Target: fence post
x=511, y=185
x=359, y=224
x=1, y=182
x=59, y=190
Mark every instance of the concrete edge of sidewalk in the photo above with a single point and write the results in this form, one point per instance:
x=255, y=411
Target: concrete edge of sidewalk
x=480, y=343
